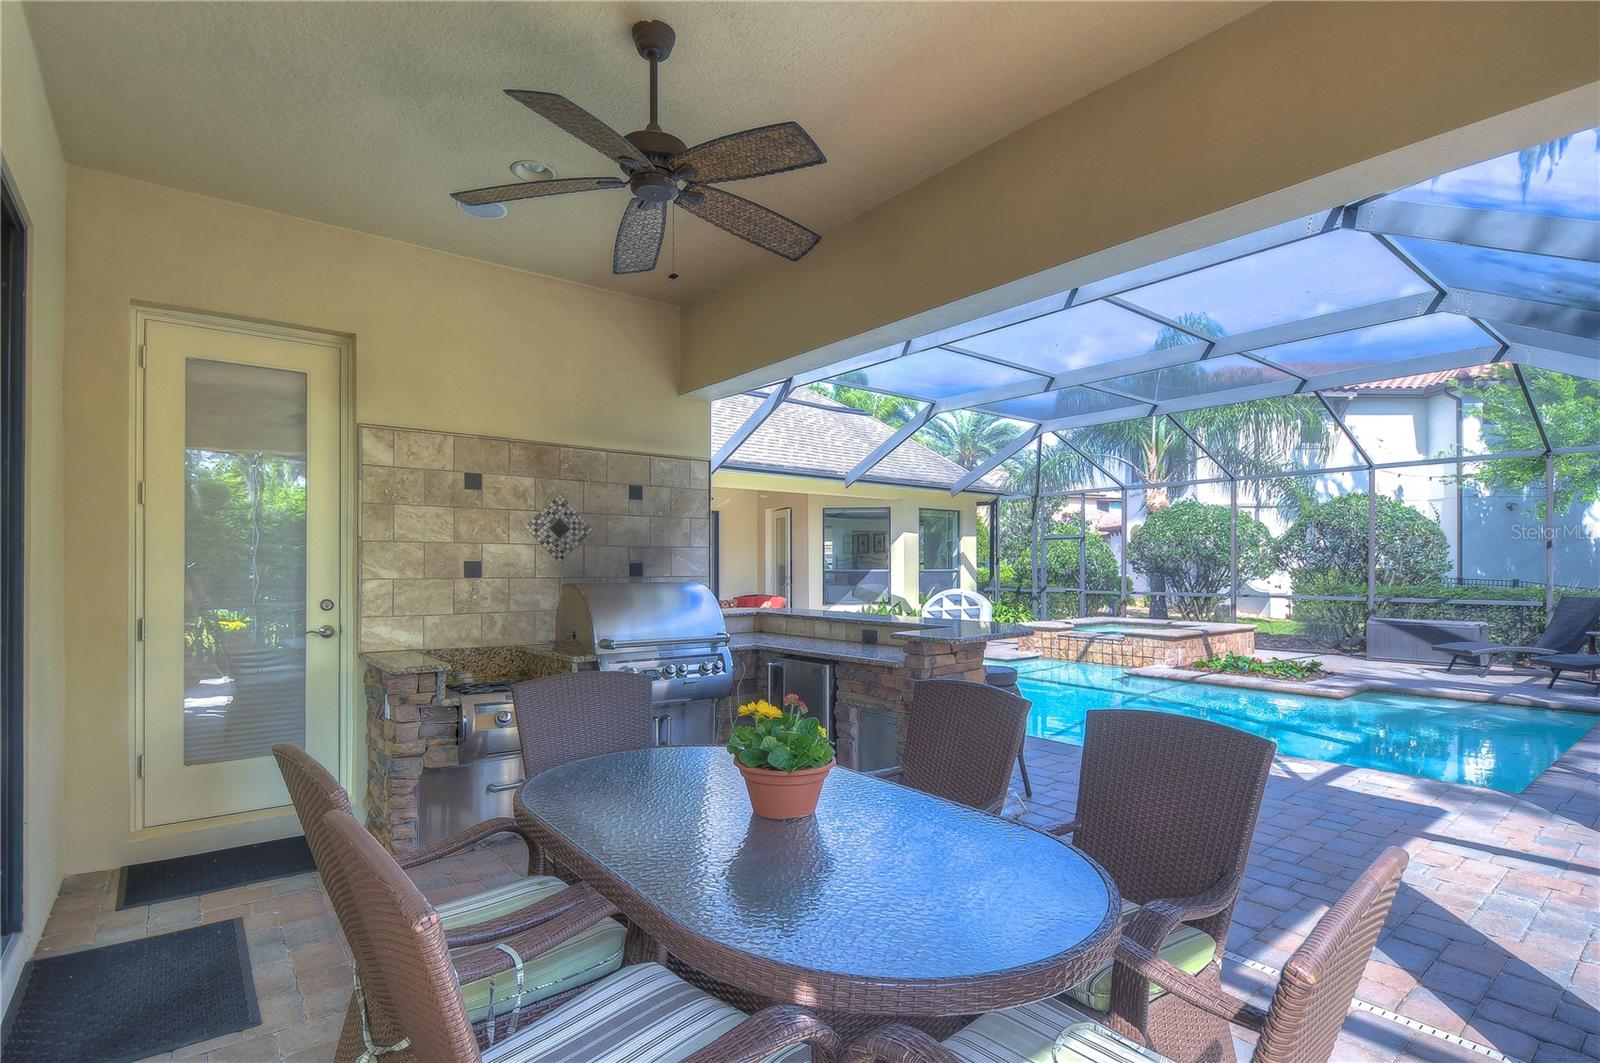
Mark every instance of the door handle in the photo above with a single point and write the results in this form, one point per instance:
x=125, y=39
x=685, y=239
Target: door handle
x=327, y=631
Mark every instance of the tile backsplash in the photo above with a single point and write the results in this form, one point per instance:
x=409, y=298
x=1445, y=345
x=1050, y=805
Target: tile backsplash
x=448, y=557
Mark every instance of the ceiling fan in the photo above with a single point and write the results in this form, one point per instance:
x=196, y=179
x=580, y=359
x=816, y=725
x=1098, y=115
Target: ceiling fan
x=658, y=169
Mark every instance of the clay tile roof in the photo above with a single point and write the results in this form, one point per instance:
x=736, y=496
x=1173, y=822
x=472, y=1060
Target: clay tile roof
x=1425, y=381
x=816, y=436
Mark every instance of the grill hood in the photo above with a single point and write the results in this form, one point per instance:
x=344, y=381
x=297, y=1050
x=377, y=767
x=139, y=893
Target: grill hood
x=600, y=618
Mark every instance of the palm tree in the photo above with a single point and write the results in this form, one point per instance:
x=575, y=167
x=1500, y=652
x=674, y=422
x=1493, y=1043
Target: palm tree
x=892, y=410
x=967, y=437
x=1247, y=438
x=1546, y=156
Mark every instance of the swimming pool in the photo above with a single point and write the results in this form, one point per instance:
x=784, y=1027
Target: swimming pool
x=1117, y=627
x=1497, y=747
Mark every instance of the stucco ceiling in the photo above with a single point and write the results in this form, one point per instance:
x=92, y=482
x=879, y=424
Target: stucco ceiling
x=365, y=115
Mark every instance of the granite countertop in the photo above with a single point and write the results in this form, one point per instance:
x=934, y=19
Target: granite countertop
x=475, y=664
x=960, y=631
x=823, y=614
x=404, y=662
x=917, y=629
x=836, y=649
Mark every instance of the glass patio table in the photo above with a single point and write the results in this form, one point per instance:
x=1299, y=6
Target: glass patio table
x=886, y=902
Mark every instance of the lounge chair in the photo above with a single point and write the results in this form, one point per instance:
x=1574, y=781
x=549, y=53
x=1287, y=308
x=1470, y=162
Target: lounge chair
x=1301, y=1026
x=1571, y=662
x=1574, y=616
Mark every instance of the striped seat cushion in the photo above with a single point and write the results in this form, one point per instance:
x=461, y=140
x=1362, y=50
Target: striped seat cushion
x=1046, y=1031
x=642, y=1014
x=1187, y=949
x=592, y=954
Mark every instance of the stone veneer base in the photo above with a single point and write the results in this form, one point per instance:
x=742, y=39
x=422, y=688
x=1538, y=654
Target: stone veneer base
x=1164, y=646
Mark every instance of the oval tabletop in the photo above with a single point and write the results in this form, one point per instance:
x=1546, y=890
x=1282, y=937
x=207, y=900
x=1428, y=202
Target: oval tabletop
x=886, y=901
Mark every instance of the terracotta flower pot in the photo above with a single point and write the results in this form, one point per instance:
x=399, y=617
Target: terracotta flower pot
x=784, y=794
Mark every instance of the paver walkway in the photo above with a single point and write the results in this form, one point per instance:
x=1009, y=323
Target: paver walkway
x=1494, y=936
x=1495, y=933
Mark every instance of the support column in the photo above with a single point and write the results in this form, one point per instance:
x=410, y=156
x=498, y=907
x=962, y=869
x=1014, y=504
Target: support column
x=1549, y=530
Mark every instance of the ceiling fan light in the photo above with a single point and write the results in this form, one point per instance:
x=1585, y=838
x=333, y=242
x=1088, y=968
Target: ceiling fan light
x=529, y=170
x=490, y=211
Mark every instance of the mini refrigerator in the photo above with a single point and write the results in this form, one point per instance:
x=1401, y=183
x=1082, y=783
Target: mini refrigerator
x=811, y=680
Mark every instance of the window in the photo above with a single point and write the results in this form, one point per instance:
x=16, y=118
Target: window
x=938, y=550
x=855, y=555
x=13, y=399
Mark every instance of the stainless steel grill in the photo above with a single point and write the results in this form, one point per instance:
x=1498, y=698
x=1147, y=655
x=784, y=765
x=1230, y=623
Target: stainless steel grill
x=671, y=632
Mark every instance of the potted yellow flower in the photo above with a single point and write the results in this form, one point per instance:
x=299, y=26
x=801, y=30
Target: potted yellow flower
x=784, y=756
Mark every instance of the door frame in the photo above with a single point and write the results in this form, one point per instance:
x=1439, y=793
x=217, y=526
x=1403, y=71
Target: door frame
x=350, y=729
x=770, y=568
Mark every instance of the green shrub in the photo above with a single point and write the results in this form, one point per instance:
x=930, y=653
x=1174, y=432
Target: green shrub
x=1331, y=537
x=1344, y=624
x=1239, y=664
x=1187, y=544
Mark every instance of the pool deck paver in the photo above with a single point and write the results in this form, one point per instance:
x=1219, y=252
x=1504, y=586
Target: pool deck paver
x=1495, y=932
x=1494, y=935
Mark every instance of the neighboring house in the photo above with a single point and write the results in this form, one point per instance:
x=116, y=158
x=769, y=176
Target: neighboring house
x=784, y=522
x=1495, y=536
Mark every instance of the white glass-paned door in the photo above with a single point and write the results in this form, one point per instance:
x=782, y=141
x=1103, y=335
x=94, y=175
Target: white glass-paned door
x=241, y=574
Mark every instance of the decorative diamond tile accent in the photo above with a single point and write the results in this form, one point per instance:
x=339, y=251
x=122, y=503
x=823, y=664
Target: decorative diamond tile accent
x=558, y=527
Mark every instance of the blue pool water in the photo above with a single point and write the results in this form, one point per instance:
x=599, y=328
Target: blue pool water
x=1494, y=746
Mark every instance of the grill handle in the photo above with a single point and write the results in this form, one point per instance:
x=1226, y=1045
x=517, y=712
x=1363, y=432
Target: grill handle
x=630, y=644
x=502, y=787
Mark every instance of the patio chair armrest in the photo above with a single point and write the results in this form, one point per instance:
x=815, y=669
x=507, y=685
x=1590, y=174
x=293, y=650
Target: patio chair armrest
x=769, y=1031
x=897, y=1044
x=570, y=899
x=461, y=840
x=587, y=909
x=1217, y=1001
x=890, y=773
x=1061, y=830
x=1160, y=917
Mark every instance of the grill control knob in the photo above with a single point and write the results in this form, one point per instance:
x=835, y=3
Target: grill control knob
x=705, y=667
x=679, y=670
x=716, y=666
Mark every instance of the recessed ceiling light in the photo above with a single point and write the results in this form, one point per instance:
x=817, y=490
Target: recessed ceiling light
x=483, y=210
x=528, y=170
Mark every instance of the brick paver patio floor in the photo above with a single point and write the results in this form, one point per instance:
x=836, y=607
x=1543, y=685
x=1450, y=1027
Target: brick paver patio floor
x=1494, y=936
x=1495, y=933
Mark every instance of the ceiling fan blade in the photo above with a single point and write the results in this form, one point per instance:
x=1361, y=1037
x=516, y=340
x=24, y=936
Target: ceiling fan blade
x=534, y=189
x=570, y=118
x=753, y=153
x=639, y=237
x=765, y=228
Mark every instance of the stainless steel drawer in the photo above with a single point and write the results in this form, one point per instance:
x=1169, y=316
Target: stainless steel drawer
x=453, y=799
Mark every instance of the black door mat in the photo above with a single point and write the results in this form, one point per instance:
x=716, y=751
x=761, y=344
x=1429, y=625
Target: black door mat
x=134, y=999
x=189, y=876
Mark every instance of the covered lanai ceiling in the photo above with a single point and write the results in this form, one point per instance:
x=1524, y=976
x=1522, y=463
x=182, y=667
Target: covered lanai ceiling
x=367, y=115
x=1497, y=263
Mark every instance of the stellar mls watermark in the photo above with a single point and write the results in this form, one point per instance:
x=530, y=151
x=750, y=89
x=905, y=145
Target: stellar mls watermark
x=1536, y=532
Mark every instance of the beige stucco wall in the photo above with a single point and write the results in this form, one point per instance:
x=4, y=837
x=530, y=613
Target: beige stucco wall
x=33, y=158
x=441, y=342
x=1291, y=109
x=747, y=497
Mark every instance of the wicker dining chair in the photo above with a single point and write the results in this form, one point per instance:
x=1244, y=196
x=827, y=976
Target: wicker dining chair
x=574, y=715
x=1167, y=804
x=471, y=924
x=964, y=738
x=1301, y=1025
x=642, y=1011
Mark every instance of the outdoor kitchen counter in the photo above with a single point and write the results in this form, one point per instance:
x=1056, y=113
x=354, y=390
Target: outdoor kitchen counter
x=833, y=649
x=847, y=627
